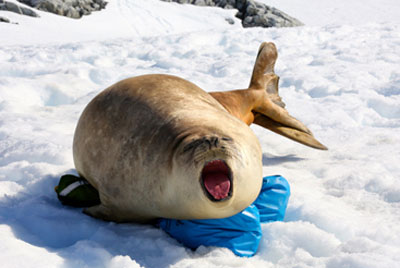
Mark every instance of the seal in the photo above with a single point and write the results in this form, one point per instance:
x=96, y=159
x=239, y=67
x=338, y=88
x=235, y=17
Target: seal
x=158, y=146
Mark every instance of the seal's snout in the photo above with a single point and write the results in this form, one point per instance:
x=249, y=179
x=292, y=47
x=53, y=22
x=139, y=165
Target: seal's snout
x=216, y=179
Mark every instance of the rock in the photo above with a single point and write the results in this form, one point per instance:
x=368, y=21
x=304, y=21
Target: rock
x=70, y=8
x=9, y=6
x=200, y=3
x=240, y=4
x=255, y=14
x=252, y=13
x=73, y=13
x=252, y=10
x=230, y=20
x=3, y=19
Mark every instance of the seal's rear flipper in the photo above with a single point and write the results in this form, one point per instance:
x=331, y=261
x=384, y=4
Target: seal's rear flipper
x=270, y=112
x=264, y=65
x=261, y=103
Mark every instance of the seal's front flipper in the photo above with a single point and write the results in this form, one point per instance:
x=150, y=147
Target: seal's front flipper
x=100, y=212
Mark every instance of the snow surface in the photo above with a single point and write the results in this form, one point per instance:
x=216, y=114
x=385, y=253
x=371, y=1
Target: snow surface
x=339, y=74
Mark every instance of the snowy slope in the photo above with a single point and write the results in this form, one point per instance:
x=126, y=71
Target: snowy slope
x=340, y=77
x=353, y=12
x=121, y=19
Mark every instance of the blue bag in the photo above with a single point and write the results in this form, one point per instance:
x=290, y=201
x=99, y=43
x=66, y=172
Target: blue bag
x=240, y=233
x=273, y=198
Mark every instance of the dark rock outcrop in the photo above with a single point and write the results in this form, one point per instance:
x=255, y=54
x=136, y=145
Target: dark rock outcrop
x=252, y=13
x=69, y=8
x=9, y=6
x=3, y=19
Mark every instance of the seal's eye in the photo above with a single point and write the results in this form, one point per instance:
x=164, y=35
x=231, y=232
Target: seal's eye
x=217, y=180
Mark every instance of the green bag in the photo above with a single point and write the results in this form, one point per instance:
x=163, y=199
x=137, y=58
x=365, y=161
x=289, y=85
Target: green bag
x=76, y=192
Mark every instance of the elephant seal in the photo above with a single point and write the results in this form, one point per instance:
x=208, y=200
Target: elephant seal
x=158, y=146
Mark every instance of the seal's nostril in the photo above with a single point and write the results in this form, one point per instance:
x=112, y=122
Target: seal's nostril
x=215, y=141
x=209, y=142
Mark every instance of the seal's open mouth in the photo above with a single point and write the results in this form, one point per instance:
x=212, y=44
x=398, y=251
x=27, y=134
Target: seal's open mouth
x=216, y=178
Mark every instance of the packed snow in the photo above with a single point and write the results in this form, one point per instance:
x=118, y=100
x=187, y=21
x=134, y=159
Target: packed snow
x=339, y=74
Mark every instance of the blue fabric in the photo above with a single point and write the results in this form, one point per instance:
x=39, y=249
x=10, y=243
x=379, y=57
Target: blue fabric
x=273, y=198
x=240, y=233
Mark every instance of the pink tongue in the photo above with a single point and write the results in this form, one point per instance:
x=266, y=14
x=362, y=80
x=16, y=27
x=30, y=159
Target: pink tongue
x=217, y=184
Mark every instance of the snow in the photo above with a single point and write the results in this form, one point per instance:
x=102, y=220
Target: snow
x=320, y=13
x=339, y=75
x=121, y=19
